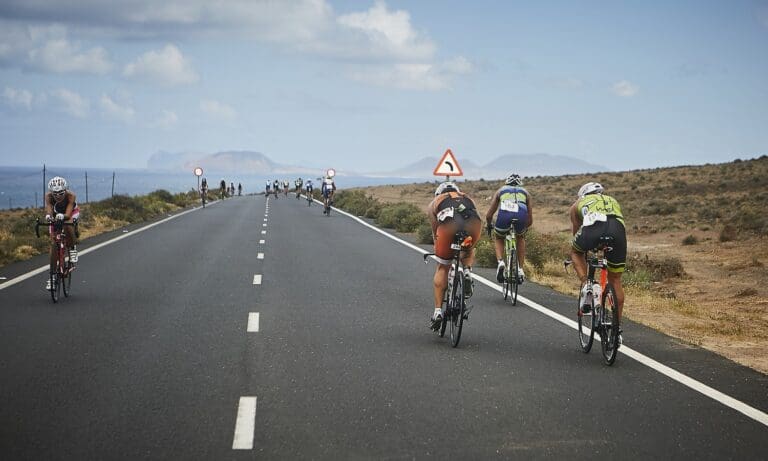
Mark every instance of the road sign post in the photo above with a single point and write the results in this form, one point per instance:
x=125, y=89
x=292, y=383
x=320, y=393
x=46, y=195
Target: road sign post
x=198, y=173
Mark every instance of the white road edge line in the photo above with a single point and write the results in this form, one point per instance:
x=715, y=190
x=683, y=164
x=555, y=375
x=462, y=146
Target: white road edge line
x=42, y=269
x=245, y=425
x=683, y=379
x=253, y=322
x=257, y=279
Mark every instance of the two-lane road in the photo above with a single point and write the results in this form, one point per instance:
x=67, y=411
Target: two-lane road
x=152, y=358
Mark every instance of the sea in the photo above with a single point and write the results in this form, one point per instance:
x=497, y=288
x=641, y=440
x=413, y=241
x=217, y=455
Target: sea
x=24, y=187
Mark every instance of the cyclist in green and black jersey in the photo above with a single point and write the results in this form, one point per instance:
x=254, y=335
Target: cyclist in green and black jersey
x=593, y=215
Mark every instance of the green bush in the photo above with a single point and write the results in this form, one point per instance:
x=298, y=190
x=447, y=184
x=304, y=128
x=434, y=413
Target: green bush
x=403, y=217
x=424, y=233
x=656, y=270
x=485, y=255
x=541, y=248
x=690, y=240
x=358, y=203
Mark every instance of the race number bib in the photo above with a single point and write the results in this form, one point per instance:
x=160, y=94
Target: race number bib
x=445, y=214
x=510, y=205
x=593, y=217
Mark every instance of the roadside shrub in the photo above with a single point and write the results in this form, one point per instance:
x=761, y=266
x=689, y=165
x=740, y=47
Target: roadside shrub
x=358, y=203
x=485, y=255
x=161, y=195
x=657, y=270
x=541, y=248
x=424, y=233
x=403, y=217
x=690, y=240
x=728, y=233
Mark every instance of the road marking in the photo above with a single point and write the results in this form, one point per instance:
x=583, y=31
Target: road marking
x=260, y=256
x=245, y=424
x=263, y=232
x=685, y=380
x=257, y=279
x=125, y=234
x=253, y=322
x=265, y=219
x=264, y=225
x=261, y=242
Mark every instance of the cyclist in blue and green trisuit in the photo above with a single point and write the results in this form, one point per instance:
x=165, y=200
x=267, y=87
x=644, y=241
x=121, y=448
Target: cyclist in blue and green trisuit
x=594, y=215
x=512, y=202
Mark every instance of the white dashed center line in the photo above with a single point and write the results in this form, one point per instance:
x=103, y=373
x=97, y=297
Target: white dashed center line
x=253, y=322
x=257, y=279
x=260, y=256
x=245, y=424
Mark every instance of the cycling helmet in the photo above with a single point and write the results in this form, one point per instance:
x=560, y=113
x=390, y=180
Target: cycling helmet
x=513, y=180
x=57, y=185
x=446, y=187
x=590, y=188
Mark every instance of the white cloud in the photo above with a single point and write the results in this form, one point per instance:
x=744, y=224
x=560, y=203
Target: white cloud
x=402, y=76
x=114, y=110
x=167, y=119
x=60, y=56
x=18, y=98
x=167, y=67
x=625, y=89
x=389, y=33
x=72, y=103
x=217, y=109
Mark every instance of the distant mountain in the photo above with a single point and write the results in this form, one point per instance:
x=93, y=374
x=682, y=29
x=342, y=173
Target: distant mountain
x=522, y=164
x=244, y=162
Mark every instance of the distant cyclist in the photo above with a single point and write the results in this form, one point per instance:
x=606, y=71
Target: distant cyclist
x=450, y=212
x=204, y=187
x=232, y=189
x=276, y=187
x=239, y=188
x=512, y=202
x=286, y=186
x=298, y=183
x=268, y=188
x=61, y=206
x=328, y=188
x=223, y=189
x=309, y=187
x=594, y=215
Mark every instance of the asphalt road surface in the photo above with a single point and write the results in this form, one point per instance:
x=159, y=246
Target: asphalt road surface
x=267, y=330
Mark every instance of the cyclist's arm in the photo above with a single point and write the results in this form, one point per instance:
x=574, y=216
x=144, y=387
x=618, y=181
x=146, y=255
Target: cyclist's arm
x=492, y=209
x=48, y=206
x=575, y=218
x=530, y=209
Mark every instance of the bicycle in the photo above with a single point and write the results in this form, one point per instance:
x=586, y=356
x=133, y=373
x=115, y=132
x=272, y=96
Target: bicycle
x=298, y=193
x=310, y=194
x=599, y=317
x=327, y=202
x=61, y=275
x=454, y=303
x=511, y=263
x=203, y=196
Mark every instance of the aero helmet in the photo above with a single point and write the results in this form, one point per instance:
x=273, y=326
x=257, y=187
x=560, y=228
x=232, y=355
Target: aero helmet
x=513, y=180
x=590, y=188
x=57, y=185
x=446, y=187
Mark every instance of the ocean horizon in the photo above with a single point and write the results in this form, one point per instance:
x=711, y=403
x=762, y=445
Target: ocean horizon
x=24, y=187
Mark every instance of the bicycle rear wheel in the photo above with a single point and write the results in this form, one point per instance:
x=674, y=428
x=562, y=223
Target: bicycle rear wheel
x=66, y=277
x=513, y=271
x=456, y=314
x=609, y=334
x=587, y=321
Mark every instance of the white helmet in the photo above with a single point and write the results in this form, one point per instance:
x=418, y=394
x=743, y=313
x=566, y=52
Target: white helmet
x=57, y=184
x=590, y=188
x=514, y=180
x=446, y=187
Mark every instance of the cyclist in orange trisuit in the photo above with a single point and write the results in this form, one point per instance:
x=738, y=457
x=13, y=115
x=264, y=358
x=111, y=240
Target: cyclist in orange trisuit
x=449, y=212
x=61, y=205
x=594, y=215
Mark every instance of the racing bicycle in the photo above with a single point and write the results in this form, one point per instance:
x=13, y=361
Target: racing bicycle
x=61, y=274
x=455, y=309
x=511, y=263
x=599, y=316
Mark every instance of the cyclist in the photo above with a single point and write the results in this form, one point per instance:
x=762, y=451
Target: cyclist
x=204, y=187
x=223, y=189
x=298, y=183
x=239, y=188
x=286, y=185
x=594, y=215
x=449, y=212
x=61, y=205
x=512, y=202
x=309, y=187
x=268, y=187
x=276, y=187
x=231, y=189
x=328, y=188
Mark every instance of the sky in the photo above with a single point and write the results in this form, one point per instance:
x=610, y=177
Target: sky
x=372, y=86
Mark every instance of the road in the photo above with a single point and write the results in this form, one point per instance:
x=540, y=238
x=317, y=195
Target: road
x=264, y=329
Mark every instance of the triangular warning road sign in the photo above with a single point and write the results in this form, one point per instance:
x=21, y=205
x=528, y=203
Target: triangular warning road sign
x=448, y=166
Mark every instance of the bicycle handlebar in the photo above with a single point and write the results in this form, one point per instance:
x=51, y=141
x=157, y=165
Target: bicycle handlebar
x=39, y=224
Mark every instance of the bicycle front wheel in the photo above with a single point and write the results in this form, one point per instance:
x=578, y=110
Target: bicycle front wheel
x=456, y=314
x=66, y=278
x=55, y=287
x=587, y=321
x=609, y=334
